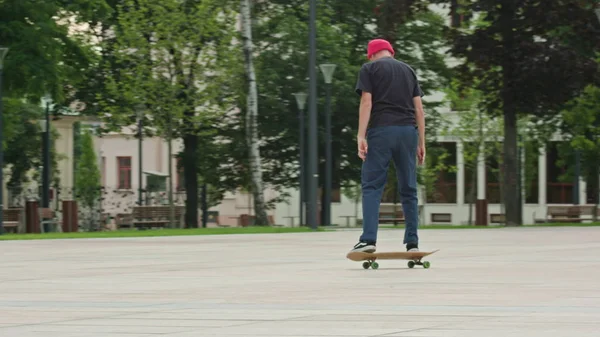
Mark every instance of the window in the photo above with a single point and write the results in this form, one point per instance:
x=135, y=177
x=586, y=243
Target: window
x=470, y=172
x=442, y=187
x=493, y=172
x=180, y=177
x=592, y=188
x=124, y=172
x=559, y=188
x=531, y=174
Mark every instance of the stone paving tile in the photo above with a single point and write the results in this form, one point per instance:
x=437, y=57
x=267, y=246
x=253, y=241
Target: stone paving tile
x=108, y=330
x=499, y=282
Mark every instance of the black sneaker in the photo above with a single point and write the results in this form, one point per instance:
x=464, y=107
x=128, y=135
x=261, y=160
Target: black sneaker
x=364, y=247
x=412, y=247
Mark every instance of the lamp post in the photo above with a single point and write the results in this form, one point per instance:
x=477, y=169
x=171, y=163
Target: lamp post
x=313, y=175
x=328, y=70
x=46, y=153
x=301, y=102
x=597, y=10
x=3, y=52
x=576, y=179
x=140, y=126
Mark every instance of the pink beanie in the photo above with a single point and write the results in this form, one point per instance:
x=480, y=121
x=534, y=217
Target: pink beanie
x=377, y=45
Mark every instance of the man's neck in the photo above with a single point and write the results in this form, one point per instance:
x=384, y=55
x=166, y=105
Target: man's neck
x=379, y=57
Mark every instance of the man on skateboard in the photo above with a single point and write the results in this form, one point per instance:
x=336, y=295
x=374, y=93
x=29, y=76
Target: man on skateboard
x=391, y=127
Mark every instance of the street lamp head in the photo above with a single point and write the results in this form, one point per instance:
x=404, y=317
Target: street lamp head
x=3, y=52
x=301, y=99
x=43, y=125
x=47, y=101
x=328, y=69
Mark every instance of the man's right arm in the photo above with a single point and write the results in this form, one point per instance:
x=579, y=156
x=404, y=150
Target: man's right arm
x=420, y=116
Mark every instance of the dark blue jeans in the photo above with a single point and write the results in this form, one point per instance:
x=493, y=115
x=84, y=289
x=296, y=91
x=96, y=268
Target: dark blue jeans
x=397, y=143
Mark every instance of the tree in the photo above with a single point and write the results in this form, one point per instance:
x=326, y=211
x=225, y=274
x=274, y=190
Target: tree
x=46, y=56
x=251, y=116
x=526, y=56
x=341, y=39
x=87, y=181
x=475, y=130
x=581, y=131
x=172, y=57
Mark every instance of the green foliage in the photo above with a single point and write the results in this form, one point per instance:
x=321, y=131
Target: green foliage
x=544, y=53
x=45, y=56
x=23, y=144
x=436, y=161
x=581, y=132
x=87, y=182
x=162, y=53
x=341, y=39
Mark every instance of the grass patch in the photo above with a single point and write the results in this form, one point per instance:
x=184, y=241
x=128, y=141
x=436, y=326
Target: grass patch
x=156, y=232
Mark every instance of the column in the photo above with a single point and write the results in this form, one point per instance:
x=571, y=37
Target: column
x=481, y=181
x=460, y=174
x=481, y=205
x=542, y=181
x=523, y=166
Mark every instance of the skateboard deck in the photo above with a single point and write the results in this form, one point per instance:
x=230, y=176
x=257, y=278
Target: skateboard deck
x=369, y=258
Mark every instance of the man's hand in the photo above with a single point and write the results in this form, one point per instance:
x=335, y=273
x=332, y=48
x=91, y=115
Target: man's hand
x=421, y=154
x=362, y=148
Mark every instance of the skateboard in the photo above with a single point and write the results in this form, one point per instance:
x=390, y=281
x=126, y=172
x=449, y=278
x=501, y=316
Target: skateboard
x=369, y=258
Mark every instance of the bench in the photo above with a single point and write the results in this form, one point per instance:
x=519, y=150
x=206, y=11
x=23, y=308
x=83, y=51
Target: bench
x=246, y=220
x=12, y=219
x=155, y=216
x=48, y=217
x=567, y=214
x=123, y=220
x=497, y=218
x=441, y=217
x=391, y=217
x=291, y=217
x=348, y=217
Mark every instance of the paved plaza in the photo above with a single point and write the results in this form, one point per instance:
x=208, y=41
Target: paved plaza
x=482, y=283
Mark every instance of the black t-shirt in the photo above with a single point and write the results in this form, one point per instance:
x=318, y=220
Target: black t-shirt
x=393, y=84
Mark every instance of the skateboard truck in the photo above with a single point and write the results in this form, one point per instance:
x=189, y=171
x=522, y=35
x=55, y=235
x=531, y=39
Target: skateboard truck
x=425, y=264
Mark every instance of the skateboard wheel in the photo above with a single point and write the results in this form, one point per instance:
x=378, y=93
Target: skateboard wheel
x=366, y=265
x=426, y=264
x=374, y=265
x=411, y=264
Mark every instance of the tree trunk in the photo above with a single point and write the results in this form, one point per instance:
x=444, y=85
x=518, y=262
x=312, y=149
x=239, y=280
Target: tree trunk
x=170, y=163
x=251, y=118
x=190, y=171
x=204, y=206
x=512, y=197
x=594, y=180
x=472, y=194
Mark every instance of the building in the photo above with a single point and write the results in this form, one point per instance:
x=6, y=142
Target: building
x=120, y=171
